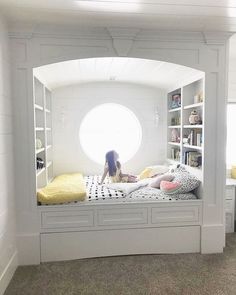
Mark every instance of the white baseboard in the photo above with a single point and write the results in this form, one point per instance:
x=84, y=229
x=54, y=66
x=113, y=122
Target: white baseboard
x=212, y=238
x=28, y=245
x=8, y=273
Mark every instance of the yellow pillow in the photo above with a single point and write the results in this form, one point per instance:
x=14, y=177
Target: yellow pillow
x=63, y=189
x=145, y=173
x=153, y=170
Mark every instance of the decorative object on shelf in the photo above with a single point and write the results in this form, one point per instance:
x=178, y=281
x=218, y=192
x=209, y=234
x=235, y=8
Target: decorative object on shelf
x=38, y=144
x=195, y=118
x=175, y=137
x=175, y=154
x=185, y=139
x=175, y=121
x=40, y=163
x=175, y=101
x=198, y=97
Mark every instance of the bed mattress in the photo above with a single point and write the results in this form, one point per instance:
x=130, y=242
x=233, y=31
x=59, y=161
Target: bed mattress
x=97, y=193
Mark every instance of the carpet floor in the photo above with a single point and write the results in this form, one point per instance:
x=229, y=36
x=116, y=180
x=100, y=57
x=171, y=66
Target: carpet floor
x=178, y=274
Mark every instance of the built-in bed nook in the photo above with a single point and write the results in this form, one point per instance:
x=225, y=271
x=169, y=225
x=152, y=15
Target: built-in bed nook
x=79, y=217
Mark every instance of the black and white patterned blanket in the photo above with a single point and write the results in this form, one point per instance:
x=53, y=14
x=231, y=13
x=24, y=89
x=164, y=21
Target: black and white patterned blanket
x=96, y=192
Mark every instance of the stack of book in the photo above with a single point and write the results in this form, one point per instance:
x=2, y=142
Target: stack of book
x=195, y=137
x=193, y=159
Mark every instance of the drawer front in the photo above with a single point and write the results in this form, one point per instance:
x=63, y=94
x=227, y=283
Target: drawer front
x=67, y=219
x=229, y=206
x=229, y=223
x=230, y=193
x=122, y=216
x=175, y=214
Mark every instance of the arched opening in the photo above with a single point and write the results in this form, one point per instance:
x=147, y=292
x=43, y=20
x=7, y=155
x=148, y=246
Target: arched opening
x=99, y=104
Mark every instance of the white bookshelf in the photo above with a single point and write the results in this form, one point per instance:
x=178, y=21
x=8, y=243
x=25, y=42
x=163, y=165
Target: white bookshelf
x=185, y=142
x=43, y=132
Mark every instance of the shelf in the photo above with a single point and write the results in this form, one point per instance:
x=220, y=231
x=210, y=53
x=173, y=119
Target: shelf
x=40, y=171
x=193, y=126
x=40, y=150
x=174, y=143
x=199, y=168
x=193, y=147
x=49, y=146
x=195, y=105
x=48, y=129
x=174, y=110
x=47, y=111
x=49, y=164
x=174, y=126
x=39, y=129
x=38, y=107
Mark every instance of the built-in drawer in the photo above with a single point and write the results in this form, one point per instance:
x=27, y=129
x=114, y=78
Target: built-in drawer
x=67, y=219
x=230, y=193
x=229, y=223
x=180, y=214
x=122, y=216
x=229, y=206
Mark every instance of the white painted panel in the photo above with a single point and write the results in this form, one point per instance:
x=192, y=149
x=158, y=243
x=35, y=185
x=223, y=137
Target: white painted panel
x=8, y=255
x=67, y=219
x=75, y=245
x=175, y=214
x=122, y=216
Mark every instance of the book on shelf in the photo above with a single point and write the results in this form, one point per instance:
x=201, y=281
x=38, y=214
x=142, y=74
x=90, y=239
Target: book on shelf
x=193, y=159
x=195, y=137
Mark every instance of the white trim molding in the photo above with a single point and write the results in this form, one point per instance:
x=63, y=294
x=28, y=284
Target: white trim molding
x=8, y=272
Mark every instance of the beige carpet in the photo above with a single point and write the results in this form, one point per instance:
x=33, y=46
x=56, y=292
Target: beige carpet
x=184, y=274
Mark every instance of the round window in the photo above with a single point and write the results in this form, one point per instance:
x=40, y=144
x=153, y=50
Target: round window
x=110, y=127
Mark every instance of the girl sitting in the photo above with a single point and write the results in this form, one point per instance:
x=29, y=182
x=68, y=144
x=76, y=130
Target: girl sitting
x=113, y=168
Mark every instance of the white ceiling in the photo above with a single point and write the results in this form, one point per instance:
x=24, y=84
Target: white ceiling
x=159, y=14
x=115, y=69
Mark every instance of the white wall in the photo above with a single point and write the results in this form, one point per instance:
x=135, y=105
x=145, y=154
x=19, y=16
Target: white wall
x=232, y=70
x=76, y=100
x=7, y=210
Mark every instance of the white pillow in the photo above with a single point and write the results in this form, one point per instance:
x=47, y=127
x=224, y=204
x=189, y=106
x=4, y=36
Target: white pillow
x=125, y=187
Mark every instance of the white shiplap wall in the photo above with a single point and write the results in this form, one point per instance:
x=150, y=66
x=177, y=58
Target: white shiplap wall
x=8, y=252
x=72, y=103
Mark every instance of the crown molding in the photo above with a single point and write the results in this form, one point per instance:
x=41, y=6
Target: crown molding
x=216, y=38
x=122, y=37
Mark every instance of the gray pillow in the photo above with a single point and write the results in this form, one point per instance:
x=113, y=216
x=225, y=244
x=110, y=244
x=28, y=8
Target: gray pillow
x=189, y=181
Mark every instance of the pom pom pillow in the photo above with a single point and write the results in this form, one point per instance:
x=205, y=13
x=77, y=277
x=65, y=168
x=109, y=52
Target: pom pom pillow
x=169, y=187
x=188, y=181
x=155, y=183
